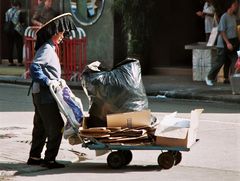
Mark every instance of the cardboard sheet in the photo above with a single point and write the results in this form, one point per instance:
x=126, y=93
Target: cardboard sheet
x=129, y=119
x=173, y=131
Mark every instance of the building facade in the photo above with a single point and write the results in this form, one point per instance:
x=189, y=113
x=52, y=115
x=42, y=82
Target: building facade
x=171, y=29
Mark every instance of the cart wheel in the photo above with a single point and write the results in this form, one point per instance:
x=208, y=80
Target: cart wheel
x=177, y=156
x=166, y=160
x=128, y=156
x=116, y=160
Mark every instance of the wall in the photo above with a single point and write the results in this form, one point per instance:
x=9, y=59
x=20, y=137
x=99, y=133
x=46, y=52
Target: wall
x=99, y=36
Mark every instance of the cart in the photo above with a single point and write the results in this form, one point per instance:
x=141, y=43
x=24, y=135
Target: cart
x=120, y=153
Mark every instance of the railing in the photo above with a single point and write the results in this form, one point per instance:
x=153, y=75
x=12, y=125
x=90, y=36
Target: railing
x=72, y=53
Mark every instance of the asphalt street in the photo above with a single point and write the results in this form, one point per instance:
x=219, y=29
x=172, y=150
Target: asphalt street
x=214, y=157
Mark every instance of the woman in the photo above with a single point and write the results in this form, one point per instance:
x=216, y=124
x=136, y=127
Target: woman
x=45, y=71
x=208, y=14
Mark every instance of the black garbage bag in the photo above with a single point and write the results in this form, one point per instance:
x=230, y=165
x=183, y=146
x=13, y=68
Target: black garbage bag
x=113, y=91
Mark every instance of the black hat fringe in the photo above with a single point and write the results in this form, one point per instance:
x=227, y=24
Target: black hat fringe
x=60, y=23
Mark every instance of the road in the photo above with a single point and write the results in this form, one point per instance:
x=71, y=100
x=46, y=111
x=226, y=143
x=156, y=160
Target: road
x=13, y=98
x=215, y=157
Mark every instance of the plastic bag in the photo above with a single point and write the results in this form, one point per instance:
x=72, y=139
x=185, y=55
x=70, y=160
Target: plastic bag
x=113, y=91
x=71, y=107
x=237, y=64
x=20, y=29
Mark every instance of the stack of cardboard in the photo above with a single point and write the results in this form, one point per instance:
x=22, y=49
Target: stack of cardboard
x=115, y=135
x=130, y=127
x=140, y=128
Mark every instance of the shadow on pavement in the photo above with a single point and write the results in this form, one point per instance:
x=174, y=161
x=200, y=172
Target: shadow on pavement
x=22, y=169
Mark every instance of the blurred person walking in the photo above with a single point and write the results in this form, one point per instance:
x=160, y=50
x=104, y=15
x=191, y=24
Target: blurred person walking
x=14, y=33
x=227, y=43
x=208, y=14
x=44, y=13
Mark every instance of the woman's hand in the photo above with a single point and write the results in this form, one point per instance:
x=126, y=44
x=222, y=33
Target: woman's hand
x=229, y=46
x=200, y=13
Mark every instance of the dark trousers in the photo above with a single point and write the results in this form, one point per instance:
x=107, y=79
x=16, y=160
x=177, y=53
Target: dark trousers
x=226, y=68
x=15, y=39
x=48, y=124
x=224, y=57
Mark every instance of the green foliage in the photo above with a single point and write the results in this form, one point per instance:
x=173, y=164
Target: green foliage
x=135, y=15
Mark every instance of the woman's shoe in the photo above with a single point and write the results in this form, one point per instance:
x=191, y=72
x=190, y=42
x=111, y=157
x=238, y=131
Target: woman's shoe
x=226, y=81
x=12, y=64
x=32, y=161
x=208, y=82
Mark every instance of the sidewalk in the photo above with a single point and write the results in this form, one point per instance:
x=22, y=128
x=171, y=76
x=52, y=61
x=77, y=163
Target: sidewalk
x=183, y=87
x=170, y=86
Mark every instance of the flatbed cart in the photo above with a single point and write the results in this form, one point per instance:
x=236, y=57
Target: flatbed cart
x=121, y=154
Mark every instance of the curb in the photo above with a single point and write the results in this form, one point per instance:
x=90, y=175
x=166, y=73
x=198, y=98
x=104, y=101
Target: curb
x=211, y=94
x=21, y=81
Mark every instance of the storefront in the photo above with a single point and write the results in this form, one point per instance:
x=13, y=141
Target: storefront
x=171, y=29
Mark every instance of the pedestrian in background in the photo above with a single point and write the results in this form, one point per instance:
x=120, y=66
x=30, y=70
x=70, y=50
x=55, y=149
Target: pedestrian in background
x=208, y=14
x=46, y=71
x=44, y=13
x=227, y=43
x=14, y=35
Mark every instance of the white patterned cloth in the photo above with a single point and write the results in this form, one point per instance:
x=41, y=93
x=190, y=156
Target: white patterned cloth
x=209, y=20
